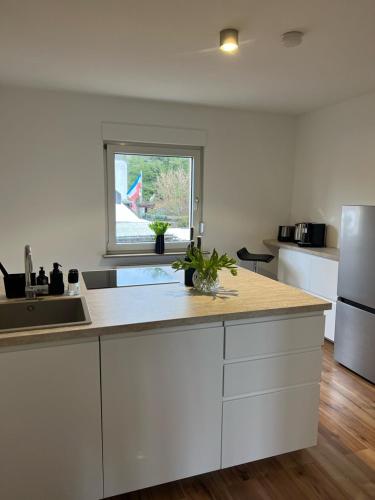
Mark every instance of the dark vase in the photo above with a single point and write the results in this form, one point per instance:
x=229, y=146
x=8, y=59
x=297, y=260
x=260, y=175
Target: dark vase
x=189, y=275
x=159, y=244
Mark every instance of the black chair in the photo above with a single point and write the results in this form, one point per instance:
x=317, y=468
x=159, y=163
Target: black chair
x=244, y=254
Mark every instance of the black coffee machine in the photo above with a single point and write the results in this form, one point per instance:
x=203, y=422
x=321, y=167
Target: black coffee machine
x=311, y=235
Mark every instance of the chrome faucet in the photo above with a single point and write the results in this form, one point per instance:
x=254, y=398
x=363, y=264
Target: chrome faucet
x=30, y=292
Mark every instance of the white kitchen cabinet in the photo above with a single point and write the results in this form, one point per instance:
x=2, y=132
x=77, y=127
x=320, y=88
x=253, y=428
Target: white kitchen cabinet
x=265, y=425
x=316, y=275
x=294, y=268
x=50, y=426
x=329, y=331
x=162, y=407
x=323, y=277
x=146, y=408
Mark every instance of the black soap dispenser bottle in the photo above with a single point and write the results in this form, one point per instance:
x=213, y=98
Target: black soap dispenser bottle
x=42, y=283
x=56, y=285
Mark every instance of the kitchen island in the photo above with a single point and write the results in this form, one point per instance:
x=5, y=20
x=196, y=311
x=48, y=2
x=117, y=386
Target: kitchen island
x=163, y=384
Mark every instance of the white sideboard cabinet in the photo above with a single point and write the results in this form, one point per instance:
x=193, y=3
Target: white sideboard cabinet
x=316, y=275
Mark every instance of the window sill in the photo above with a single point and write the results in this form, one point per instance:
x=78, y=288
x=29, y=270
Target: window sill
x=144, y=254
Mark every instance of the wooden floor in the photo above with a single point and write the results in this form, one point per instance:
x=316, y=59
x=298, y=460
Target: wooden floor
x=342, y=466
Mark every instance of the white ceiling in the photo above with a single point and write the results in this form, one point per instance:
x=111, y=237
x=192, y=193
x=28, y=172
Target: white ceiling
x=157, y=49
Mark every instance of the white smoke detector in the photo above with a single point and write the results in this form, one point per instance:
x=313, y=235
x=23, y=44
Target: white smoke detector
x=292, y=38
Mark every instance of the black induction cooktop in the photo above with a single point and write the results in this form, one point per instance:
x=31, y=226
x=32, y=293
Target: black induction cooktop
x=129, y=276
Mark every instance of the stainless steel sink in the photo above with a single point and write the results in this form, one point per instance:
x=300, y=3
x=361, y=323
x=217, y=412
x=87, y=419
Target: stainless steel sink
x=50, y=313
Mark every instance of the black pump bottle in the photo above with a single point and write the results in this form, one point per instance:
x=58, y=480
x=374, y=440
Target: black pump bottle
x=56, y=285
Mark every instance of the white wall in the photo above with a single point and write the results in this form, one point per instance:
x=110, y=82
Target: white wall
x=335, y=162
x=52, y=192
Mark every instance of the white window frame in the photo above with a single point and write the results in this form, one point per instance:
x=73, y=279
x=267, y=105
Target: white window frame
x=196, y=153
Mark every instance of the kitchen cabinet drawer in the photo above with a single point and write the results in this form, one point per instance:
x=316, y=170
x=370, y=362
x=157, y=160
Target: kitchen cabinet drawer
x=270, y=424
x=272, y=373
x=272, y=337
x=323, y=277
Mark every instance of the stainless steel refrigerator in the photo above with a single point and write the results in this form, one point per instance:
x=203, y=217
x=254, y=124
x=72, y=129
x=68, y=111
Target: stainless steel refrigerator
x=355, y=313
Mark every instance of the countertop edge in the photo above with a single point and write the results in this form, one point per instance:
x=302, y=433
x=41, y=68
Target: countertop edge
x=329, y=253
x=30, y=337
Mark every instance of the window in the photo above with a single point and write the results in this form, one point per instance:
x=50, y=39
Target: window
x=147, y=183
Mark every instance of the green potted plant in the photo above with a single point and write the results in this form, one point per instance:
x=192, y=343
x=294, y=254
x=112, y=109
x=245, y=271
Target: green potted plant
x=159, y=229
x=205, y=277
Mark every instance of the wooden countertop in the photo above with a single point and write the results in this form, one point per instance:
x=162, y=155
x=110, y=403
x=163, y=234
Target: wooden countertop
x=326, y=252
x=131, y=309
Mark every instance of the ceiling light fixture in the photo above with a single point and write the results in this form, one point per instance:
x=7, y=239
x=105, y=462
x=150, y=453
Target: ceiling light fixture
x=229, y=40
